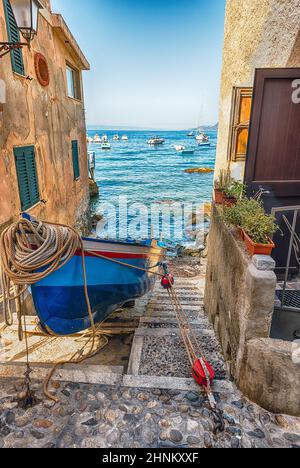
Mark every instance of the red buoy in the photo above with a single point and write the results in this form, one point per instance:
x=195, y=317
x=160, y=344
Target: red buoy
x=167, y=281
x=199, y=373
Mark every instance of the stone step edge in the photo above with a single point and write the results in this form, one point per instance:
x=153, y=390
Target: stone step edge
x=92, y=375
x=173, y=383
x=81, y=373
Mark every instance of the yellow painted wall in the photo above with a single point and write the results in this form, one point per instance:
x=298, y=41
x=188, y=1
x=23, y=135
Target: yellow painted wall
x=48, y=119
x=258, y=34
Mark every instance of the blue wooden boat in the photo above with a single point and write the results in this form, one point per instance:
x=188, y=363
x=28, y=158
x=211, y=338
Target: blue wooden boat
x=60, y=301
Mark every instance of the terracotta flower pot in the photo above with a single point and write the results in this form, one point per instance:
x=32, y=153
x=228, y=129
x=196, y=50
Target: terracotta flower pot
x=241, y=233
x=258, y=249
x=219, y=197
x=229, y=202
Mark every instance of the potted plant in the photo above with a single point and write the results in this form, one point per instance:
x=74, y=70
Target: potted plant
x=238, y=212
x=223, y=182
x=258, y=228
x=234, y=192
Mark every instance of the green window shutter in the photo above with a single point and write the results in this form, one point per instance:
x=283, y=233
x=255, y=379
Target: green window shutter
x=13, y=36
x=75, y=157
x=27, y=176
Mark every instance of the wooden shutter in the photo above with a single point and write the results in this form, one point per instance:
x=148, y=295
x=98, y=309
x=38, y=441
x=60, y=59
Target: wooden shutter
x=27, y=176
x=240, y=121
x=13, y=36
x=75, y=157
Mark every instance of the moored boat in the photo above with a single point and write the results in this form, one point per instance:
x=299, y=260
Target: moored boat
x=106, y=146
x=202, y=137
x=179, y=148
x=116, y=138
x=125, y=138
x=97, y=139
x=59, y=298
x=156, y=141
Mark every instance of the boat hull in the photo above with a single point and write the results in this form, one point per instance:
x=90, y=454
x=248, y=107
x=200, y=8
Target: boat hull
x=60, y=301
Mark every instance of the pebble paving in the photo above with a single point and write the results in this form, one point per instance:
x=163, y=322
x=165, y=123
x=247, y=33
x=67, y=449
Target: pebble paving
x=104, y=416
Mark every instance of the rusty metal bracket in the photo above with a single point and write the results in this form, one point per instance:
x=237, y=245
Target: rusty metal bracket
x=7, y=47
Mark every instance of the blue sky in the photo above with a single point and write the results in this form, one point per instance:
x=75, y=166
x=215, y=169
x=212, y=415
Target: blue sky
x=154, y=63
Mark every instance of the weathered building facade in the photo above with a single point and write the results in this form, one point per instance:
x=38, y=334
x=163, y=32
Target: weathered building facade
x=258, y=34
x=43, y=153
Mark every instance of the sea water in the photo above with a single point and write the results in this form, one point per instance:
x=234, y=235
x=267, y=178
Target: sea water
x=147, y=174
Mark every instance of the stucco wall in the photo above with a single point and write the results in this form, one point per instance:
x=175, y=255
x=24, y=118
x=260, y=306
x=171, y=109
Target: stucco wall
x=239, y=299
x=258, y=34
x=46, y=118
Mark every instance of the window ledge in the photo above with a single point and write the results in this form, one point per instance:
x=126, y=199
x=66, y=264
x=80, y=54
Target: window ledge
x=80, y=101
x=32, y=207
x=19, y=75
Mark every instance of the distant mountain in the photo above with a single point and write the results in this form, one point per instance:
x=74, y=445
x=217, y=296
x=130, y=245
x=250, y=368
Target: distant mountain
x=210, y=128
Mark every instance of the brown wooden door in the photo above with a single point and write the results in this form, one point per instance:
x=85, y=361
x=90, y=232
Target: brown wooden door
x=273, y=156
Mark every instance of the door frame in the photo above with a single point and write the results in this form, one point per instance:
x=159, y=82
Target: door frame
x=261, y=74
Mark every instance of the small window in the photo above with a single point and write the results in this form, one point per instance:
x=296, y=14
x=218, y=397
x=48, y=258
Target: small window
x=73, y=83
x=75, y=157
x=13, y=35
x=239, y=125
x=27, y=176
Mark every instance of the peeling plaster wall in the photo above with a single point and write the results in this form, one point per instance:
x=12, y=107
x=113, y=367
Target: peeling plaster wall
x=48, y=119
x=258, y=34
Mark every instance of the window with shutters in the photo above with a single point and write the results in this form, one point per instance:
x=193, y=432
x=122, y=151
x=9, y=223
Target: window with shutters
x=239, y=125
x=75, y=157
x=13, y=35
x=27, y=176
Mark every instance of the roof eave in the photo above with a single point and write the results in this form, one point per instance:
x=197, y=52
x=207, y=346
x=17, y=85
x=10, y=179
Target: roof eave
x=59, y=24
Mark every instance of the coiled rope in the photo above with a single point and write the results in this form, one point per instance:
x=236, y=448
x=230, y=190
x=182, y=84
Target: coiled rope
x=29, y=252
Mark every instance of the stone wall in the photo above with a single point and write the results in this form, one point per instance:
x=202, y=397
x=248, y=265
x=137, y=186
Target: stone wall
x=48, y=119
x=258, y=34
x=239, y=300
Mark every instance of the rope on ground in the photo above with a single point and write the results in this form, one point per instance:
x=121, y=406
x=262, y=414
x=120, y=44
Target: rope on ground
x=194, y=352
x=29, y=252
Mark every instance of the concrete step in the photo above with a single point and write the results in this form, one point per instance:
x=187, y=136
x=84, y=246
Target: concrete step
x=173, y=383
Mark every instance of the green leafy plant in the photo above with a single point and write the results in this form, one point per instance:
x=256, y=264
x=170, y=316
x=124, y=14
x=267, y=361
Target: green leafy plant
x=236, y=190
x=249, y=214
x=237, y=213
x=260, y=227
x=224, y=180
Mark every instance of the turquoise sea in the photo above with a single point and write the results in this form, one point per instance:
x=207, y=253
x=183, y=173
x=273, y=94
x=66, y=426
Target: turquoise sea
x=148, y=174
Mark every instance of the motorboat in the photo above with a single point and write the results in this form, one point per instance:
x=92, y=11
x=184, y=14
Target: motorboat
x=116, y=138
x=106, y=145
x=156, y=141
x=97, y=139
x=179, y=148
x=125, y=138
